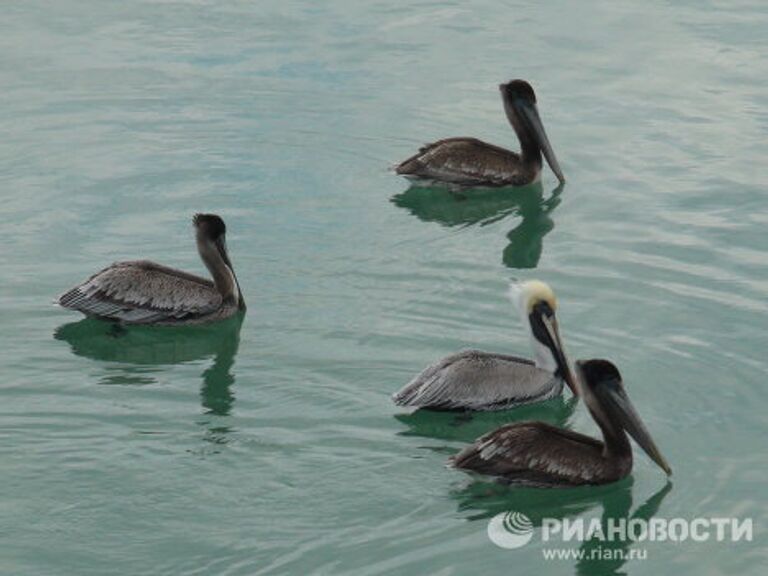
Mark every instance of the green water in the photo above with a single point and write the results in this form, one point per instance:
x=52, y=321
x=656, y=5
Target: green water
x=273, y=447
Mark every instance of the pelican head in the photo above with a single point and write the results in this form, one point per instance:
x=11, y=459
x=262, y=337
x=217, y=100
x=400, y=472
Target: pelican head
x=538, y=304
x=607, y=401
x=211, y=229
x=522, y=112
x=211, y=233
x=209, y=225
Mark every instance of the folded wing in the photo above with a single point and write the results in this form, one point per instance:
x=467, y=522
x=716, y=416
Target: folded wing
x=140, y=292
x=534, y=453
x=464, y=161
x=475, y=380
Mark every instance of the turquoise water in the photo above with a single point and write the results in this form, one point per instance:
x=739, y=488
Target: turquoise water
x=273, y=447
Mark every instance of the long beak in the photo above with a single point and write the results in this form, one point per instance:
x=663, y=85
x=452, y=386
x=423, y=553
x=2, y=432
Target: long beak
x=554, y=333
x=629, y=419
x=221, y=246
x=531, y=115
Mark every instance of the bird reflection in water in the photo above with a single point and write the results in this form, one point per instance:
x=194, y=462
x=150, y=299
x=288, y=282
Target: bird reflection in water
x=457, y=208
x=482, y=500
x=137, y=353
x=610, y=556
x=467, y=426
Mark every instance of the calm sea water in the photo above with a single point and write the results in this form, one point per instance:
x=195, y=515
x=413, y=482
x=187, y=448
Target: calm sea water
x=273, y=447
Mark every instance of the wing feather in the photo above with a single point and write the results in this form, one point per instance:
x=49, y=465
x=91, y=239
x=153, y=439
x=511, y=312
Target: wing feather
x=475, y=380
x=466, y=161
x=140, y=292
x=535, y=453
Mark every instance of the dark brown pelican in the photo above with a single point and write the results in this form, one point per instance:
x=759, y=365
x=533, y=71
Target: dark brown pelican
x=475, y=380
x=471, y=162
x=142, y=292
x=538, y=454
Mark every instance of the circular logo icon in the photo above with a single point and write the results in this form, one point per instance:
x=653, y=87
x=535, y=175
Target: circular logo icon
x=510, y=530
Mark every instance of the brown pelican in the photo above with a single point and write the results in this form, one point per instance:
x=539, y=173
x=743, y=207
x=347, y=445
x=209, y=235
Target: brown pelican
x=142, y=292
x=471, y=162
x=538, y=454
x=475, y=380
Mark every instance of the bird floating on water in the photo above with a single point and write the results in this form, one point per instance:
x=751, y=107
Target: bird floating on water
x=468, y=162
x=541, y=455
x=475, y=380
x=143, y=292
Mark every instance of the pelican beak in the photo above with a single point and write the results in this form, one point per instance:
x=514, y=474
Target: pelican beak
x=550, y=324
x=627, y=417
x=530, y=113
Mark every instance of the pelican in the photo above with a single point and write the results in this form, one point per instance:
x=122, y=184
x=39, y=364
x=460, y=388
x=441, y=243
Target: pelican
x=142, y=292
x=475, y=380
x=468, y=162
x=541, y=455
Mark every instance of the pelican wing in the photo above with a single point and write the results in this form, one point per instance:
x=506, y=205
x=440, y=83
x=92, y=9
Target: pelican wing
x=474, y=380
x=463, y=161
x=140, y=292
x=534, y=453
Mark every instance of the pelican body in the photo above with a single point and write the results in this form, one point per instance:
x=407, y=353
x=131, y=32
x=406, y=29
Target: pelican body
x=540, y=455
x=475, y=380
x=143, y=292
x=468, y=162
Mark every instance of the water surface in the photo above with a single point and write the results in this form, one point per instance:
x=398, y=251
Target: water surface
x=272, y=447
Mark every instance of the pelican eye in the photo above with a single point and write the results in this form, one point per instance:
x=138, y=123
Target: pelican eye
x=544, y=308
